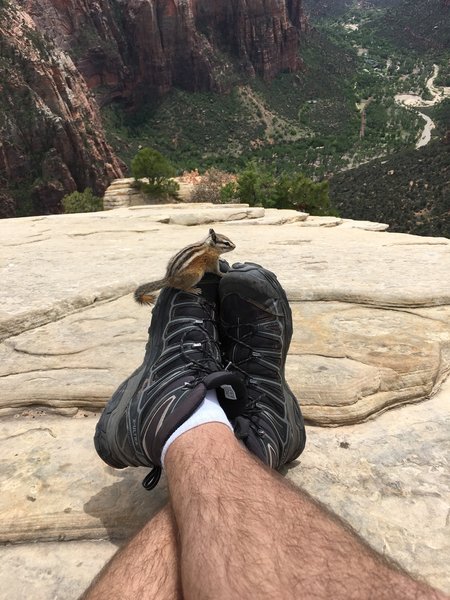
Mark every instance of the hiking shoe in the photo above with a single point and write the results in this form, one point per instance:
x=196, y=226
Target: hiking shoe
x=182, y=361
x=256, y=330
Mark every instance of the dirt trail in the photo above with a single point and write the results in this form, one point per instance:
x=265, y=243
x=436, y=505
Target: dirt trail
x=413, y=101
x=274, y=124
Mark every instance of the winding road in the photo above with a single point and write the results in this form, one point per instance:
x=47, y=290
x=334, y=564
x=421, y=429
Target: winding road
x=412, y=101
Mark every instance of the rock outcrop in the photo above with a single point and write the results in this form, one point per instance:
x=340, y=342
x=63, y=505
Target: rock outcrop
x=371, y=316
x=52, y=139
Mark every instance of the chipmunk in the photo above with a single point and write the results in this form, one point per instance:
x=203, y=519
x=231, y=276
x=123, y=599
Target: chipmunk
x=188, y=266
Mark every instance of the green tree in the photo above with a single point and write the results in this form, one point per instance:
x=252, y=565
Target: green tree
x=152, y=165
x=78, y=202
x=257, y=186
x=306, y=195
x=254, y=185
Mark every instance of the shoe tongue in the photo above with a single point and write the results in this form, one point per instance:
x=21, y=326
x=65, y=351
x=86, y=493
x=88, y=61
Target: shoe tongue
x=231, y=391
x=192, y=312
x=249, y=308
x=210, y=288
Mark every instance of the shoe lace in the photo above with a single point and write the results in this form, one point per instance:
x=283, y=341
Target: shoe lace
x=253, y=407
x=152, y=479
x=211, y=353
x=252, y=354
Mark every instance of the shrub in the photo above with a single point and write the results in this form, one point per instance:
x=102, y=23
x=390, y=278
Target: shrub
x=78, y=202
x=211, y=186
x=152, y=165
x=259, y=187
x=162, y=191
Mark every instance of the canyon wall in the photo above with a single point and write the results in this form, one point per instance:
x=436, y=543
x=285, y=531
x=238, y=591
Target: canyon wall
x=52, y=140
x=136, y=48
x=62, y=59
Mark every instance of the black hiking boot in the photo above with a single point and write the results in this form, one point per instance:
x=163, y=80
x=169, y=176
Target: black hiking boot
x=256, y=330
x=182, y=361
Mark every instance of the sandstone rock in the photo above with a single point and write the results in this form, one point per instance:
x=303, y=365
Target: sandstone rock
x=121, y=193
x=371, y=313
x=215, y=216
x=389, y=479
x=276, y=217
x=366, y=225
x=314, y=221
x=51, y=493
x=186, y=190
x=156, y=45
x=169, y=208
x=76, y=260
x=76, y=361
x=345, y=363
x=65, y=137
x=52, y=570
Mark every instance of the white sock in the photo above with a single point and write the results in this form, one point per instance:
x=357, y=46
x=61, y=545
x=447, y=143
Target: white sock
x=209, y=411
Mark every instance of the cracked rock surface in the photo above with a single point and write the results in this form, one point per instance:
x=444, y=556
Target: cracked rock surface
x=371, y=346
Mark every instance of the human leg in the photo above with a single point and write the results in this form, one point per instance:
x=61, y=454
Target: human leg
x=247, y=533
x=244, y=531
x=181, y=363
x=146, y=567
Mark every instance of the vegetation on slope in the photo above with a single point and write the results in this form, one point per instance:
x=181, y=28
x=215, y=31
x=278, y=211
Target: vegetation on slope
x=310, y=121
x=417, y=25
x=410, y=191
x=293, y=120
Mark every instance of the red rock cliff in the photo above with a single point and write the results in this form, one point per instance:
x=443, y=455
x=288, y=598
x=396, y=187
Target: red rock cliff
x=54, y=51
x=135, y=48
x=52, y=140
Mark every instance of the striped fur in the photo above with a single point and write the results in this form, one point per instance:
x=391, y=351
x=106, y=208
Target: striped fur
x=195, y=260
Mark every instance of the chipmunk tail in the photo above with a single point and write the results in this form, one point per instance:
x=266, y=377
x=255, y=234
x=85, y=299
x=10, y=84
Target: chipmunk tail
x=144, y=293
x=144, y=298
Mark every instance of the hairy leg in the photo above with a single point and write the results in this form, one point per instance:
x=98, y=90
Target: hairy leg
x=247, y=533
x=146, y=567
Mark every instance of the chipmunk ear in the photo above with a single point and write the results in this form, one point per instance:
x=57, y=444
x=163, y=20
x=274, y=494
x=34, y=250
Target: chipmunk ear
x=213, y=236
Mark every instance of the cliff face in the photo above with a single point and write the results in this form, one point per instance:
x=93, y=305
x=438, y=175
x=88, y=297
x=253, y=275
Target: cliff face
x=130, y=49
x=52, y=141
x=61, y=58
